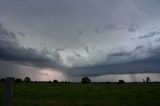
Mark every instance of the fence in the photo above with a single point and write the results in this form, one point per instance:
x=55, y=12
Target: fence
x=9, y=85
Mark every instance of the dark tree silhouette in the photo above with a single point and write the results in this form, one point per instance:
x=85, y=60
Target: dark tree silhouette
x=2, y=79
x=85, y=80
x=27, y=79
x=55, y=81
x=143, y=80
x=121, y=81
x=147, y=80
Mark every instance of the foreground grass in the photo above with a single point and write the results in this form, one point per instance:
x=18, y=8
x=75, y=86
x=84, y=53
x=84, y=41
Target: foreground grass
x=31, y=94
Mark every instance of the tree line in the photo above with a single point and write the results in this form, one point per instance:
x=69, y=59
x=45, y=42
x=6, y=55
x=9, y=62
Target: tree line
x=84, y=80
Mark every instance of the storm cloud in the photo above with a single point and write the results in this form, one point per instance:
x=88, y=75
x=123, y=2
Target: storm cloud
x=124, y=63
x=80, y=38
x=11, y=51
x=150, y=34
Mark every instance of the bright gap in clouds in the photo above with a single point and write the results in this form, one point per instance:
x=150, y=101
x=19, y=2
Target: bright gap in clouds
x=50, y=75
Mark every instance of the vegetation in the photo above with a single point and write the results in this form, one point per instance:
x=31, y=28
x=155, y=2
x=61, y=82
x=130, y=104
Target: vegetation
x=147, y=79
x=121, y=81
x=85, y=80
x=55, y=81
x=48, y=94
x=27, y=79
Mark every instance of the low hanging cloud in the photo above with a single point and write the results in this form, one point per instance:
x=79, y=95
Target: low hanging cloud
x=140, y=60
x=11, y=51
x=133, y=28
x=7, y=36
x=148, y=35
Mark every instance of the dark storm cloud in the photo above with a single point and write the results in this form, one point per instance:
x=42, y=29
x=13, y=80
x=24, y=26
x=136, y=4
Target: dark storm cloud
x=11, y=51
x=98, y=23
x=125, y=53
x=21, y=33
x=148, y=64
x=6, y=35
x=77, y=54
x=133, y=28
x=58, y=50
x=150, y=34
x=120, y=54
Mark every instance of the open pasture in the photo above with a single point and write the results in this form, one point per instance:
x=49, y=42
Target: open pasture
x=49, y=94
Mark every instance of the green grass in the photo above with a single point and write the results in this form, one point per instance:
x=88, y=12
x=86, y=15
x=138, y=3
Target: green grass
x=32, y=94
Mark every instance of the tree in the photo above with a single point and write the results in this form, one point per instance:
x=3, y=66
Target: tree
x=55, y=81
x=2, y=79
x=85, y=80
x=143, y=80
x=27, y=79
x=148, y=79
x=49, y=81
x=121, y=81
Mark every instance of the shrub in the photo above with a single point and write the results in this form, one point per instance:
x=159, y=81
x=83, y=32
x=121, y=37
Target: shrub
x=55, y=81
x=85, y=80
x=121, y=81
x=27, y=79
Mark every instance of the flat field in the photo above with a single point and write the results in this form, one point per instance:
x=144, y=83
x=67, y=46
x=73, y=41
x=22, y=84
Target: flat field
x=49, y=94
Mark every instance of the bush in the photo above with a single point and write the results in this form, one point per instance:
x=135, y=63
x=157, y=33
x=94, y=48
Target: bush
x=147, y=80
x=85, y=80
x=121, y=81
x=55, y=81
x=27, y=79
x=2, y=79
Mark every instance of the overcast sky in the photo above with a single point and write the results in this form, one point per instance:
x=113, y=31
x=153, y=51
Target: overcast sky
x=69, y=39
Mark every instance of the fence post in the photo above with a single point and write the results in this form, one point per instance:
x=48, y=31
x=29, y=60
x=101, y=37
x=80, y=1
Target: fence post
x=9, y=83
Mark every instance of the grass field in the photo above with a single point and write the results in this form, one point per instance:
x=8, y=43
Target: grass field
x=48, y=94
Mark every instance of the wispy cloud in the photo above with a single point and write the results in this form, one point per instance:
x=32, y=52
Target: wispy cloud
x=150, y=34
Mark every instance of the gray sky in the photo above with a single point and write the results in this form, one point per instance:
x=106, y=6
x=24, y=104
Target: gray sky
x=68, y=39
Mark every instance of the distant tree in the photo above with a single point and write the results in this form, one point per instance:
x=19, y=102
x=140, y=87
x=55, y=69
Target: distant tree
x=147, y=79
x=143, y=80
x=55, y=81
x=85, y=80
x=2, y=79
x=27, y=79
x=49, y=81
x=121, y=81
x=18, y=80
